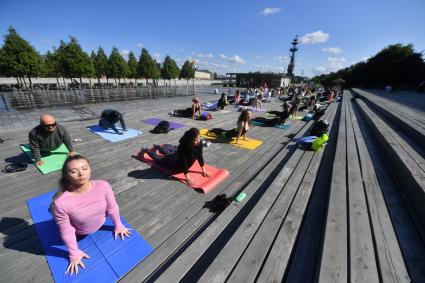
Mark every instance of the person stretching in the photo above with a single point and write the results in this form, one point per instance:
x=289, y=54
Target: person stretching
x=222, y=102
x=109, y=118
x=241, y=130
x=48, y=136
x=180, y=159
x=189, y=112
x=80, y=207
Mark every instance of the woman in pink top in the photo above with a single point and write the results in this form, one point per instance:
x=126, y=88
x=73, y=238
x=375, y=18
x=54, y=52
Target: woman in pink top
x=81, y=206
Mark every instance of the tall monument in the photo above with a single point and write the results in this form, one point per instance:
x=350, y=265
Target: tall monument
x=292, y=63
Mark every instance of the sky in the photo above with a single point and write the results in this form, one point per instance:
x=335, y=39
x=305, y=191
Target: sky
x=225, y=36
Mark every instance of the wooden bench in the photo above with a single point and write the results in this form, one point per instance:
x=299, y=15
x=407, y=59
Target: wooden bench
x=360, y=242
x=407, y=121
x=405, y=163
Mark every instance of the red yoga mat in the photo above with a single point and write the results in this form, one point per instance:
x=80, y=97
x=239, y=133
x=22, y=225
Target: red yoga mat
x=202, y=183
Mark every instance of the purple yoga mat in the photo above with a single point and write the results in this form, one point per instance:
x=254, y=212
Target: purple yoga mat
x=155, y=121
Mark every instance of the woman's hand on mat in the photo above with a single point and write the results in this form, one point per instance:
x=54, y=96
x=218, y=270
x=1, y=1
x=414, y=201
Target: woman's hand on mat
x=73, y=265
x=123, y=232
x=206, y=174
x=39, y=162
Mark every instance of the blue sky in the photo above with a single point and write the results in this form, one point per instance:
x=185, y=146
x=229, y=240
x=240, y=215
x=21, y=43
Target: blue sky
x=225, y=36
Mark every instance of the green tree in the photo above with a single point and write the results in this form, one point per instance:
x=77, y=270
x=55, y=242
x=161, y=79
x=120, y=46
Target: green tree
x=101, y=65
x=170, y=70
x=187, y=71
x=18, y=58
x=147, y=67
x=398, y=65
x=132, y=67
x=74, y=62
x=52, y=66
x=118, y=67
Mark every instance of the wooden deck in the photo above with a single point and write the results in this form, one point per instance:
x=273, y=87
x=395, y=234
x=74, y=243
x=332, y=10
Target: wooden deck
x=334, y=215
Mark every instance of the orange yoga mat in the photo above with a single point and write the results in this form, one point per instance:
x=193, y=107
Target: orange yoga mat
x=202, y=183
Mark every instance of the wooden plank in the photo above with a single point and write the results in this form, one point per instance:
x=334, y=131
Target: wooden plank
x=195, y=251
x=408, y=174
x=276, y=262
x=257, y=249
x=390, y=259
x=144, y=271
x=408, y=239
x=334, y=264
x=361, y=250
x=307, y=249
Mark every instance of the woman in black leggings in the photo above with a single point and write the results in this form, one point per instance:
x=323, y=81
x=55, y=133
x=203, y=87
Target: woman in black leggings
x=241, y=130
x=180, y=159
x=189, y=112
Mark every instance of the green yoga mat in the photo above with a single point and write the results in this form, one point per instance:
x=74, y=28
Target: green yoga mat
x=53, y=162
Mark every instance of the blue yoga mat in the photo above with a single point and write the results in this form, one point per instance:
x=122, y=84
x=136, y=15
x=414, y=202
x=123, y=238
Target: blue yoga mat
x=283, y=127
x=111, y=136
x=109, y=259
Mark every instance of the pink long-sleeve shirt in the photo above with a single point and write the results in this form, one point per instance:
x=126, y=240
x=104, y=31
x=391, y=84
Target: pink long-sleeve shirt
x=84, y=214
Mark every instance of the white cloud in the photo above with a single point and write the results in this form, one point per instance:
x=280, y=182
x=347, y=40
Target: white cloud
x=258, y=56
x=270, y=11
x=334, y=64
x=314, y=37
x=140, y=45
x=235, y=59
x=181, y=50
x=365, y=59
x=205, y=55
x=334, y=50
x=125, y=52
x=156, y=56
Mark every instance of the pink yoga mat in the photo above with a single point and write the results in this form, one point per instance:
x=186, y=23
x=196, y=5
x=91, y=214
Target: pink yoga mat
x=202, y=184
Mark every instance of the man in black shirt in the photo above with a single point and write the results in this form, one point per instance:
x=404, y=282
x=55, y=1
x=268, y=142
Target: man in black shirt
x=109, y=118
x=47, y=137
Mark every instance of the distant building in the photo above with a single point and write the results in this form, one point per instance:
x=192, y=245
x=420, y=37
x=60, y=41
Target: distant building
x=200, y=75
x=271, y=80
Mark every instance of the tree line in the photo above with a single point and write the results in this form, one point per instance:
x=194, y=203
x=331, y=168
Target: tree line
x=396, y=65
x=21, y=60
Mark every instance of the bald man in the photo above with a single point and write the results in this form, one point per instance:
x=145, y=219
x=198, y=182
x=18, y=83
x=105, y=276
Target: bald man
x=48, y=136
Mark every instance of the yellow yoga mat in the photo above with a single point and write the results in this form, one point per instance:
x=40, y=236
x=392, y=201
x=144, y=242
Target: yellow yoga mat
x=295, y=117
x=248, y=143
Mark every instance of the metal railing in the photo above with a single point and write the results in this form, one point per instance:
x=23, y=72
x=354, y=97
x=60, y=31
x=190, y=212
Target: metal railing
x=43, y=98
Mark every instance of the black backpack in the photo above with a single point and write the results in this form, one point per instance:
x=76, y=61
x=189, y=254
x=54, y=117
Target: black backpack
x=319, y=128
x=163, y=127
